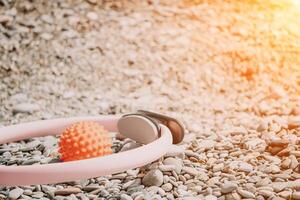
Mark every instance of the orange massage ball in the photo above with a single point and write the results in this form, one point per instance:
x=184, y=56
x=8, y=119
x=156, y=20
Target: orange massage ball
x=84, y=140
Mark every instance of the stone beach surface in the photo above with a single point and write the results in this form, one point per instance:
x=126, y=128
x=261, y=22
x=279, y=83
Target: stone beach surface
x=229, y=70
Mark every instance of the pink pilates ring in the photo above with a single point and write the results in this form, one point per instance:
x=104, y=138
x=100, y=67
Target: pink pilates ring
x=145, y=121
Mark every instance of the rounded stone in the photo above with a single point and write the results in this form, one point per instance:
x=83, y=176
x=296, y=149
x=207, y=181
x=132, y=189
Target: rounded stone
x=173, y=161
x=167, y=187
x=228, y=187
x=153, y=178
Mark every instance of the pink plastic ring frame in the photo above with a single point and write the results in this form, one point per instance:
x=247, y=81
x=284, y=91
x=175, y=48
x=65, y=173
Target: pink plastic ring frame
x=76, y=170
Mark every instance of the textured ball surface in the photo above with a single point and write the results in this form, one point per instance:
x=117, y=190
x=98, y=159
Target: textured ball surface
x=84, y=140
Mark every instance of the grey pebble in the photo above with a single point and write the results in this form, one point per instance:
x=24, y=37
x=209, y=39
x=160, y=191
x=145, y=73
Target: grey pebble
x=15, y=193
x=49, y=142
x=245, y=193
x=140, y=197
x=166, y=168
x=46, y=36
x=129, y=146
x=210, y=197
x=54, y=160
x=30, y=161
x=18, y=97
x=27, y=192
x=90, y=188
x=5, y=150
x=37, y=195
x=82, y=196
x=190, y=170
x=119, y=176
x=7, y=155
x=136, y=194
x=128, y=184
x=228, y=187
x=131, y=190
x=167, y=187
x=31, y=145
x=104, y=193
x=47, y=188
x=23, y=196
x=153, y=177
x=97, y=191
x=125, y=197
x=25, y=108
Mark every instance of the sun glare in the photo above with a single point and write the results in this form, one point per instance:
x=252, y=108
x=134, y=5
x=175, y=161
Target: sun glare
x=295, y=4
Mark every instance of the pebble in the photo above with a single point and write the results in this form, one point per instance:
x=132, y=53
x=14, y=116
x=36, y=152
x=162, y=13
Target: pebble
x=241, y=166
x=5, y=19
x=197, y=188
x=277, y=198
x=245, y=193
x=279, y=143
x=47, y=18
x=67, y=191
x=25, y=108
x=92, y=1
x=273, y=159
x=206, y=144
x=81, y=196
x=296, y=195
x=38, y=195
x=103, y=193
x=218, y=167
x=90, y=188
x=255, y=143
x=18, y=98
x=236, y=131
x=27, y=192
x=286, y=163
x=278, y=186
x=125, y=197
x=294, y=162
x=263, y=182
x=285, y=194
x=49, y=142
x=294, y=184
x=46, y=36
x=295, y=153
x=294, y=122
x=30, y=161
x=202, y=176
x=262, y=126
x=228, y=187
x=167, y=187
x=210, y=197
x=31, y=145
x=128, y=184
x=190, y=170
x=92, y=16
x=232, y=196
x=266, y=193
x=47, y=188
x=153, y=178
x=139, y=197
x=15, y=193
x=129, y=146
x=177, y=163
x=166, y=168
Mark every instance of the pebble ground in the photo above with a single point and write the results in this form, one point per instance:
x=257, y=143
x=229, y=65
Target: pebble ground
x=228, y=69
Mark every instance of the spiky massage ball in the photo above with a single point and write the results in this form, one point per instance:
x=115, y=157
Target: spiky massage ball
x=84, y=140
